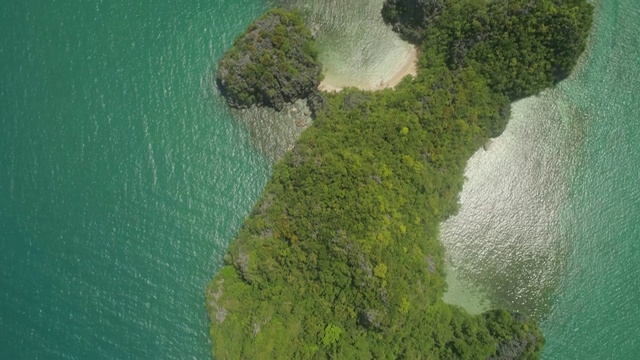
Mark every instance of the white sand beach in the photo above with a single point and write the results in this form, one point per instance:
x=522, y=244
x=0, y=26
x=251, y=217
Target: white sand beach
x=408, y=67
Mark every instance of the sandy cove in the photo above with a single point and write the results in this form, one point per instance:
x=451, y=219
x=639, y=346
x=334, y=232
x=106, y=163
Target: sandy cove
x=409, y=67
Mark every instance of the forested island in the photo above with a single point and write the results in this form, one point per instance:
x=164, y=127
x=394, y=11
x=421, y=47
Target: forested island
x=273, y=63
x=340, y=257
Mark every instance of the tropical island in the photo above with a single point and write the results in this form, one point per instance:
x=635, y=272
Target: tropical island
x=340, y=257
x=273, y=63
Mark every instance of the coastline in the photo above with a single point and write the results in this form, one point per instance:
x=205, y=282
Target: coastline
x=409, y=67
x=410, y=129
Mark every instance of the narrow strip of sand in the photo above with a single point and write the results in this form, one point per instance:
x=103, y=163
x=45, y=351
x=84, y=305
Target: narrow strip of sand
x=408, y=67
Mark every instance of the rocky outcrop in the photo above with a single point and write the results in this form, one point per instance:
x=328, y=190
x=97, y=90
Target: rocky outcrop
x=273, y=63
x=409, y=18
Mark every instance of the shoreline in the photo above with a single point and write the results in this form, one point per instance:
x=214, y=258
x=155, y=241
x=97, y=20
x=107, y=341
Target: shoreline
x=409, y=67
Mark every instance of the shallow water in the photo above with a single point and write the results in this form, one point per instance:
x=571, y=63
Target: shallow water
x=356, y=46
x=507, y=239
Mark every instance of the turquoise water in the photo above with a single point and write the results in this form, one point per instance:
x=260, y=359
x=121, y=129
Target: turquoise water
x=123, y=177
x=596, y=311
x=549, y=219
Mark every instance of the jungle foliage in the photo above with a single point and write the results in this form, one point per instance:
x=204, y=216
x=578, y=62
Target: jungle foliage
x=274, y=62
x=519, y=46
x=340, y=257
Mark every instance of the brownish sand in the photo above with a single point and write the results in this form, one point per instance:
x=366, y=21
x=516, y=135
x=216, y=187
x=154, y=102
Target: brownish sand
x=409, y=67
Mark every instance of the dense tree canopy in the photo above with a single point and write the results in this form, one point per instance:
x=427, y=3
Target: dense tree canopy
x=520, y=46
x=274, y=62
x=340, y=258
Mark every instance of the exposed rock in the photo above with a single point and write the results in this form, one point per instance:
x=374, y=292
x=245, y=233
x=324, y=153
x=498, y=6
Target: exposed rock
x=273, y=63
x=431, y=264
x=370, y=319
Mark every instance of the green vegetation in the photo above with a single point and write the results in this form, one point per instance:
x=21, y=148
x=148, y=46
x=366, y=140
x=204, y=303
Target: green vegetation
x=520, y=46
x=274, y=62
x=340, y=258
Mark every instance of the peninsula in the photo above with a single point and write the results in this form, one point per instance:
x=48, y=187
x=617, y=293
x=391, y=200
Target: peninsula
x=340, y=257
